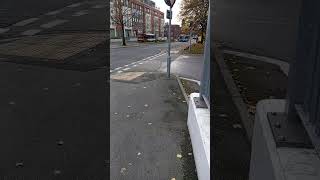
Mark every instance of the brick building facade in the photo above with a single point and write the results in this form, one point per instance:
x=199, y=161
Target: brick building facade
x=175, y=31
x=145, y=17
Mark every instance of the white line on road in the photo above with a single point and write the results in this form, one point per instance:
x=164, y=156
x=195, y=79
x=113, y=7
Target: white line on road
x=54, y=12
x=80, y=13
x=133, y=64
x=26, y=22
x=74, y=5
x=53, y=23
x=3, y=30
x=31, y=32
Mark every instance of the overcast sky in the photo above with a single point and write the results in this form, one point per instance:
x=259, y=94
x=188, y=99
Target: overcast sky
x=175, y=10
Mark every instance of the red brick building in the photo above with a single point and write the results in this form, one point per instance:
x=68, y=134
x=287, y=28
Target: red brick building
x=175, y=31
x=147, y=18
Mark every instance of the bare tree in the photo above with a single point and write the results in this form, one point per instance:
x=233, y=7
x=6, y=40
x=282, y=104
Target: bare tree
x=122, y=16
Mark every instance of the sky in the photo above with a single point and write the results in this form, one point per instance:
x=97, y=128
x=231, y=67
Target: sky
x=175, y=10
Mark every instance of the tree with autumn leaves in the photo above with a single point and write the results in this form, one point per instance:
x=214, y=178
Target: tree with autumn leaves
x=195, y=11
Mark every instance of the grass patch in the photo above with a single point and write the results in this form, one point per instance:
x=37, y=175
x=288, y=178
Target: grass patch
x=197, y=48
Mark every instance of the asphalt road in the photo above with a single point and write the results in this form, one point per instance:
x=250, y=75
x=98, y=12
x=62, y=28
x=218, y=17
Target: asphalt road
x=123, y=56
x=54, y=94
x=12, y=11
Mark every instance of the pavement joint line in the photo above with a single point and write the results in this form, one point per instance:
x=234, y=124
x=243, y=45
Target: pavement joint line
x=26, y=22
x=53, y=23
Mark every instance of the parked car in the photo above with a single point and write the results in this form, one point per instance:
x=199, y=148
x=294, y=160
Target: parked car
x=183, y=38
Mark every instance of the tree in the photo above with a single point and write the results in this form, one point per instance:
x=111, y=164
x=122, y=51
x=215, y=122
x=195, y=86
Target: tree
x=196, y=11
x=122, y=16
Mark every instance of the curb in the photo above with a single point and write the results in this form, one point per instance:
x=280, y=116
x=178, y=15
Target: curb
x=183, y=91
x=246, y=119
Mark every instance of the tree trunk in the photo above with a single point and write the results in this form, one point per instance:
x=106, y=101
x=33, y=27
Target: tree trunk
x=123, y=38
x=202, y=34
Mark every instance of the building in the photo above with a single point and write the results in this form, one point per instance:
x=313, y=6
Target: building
x=175, y=31
x=142, y=17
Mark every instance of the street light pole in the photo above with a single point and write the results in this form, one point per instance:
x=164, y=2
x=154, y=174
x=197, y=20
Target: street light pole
x=169, y=44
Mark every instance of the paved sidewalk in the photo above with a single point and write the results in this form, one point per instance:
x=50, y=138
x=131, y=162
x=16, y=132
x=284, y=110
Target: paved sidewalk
x=149, y=133
x=188, y=66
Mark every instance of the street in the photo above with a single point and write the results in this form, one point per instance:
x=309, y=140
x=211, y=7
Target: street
x=123, y=56
x=54, y=108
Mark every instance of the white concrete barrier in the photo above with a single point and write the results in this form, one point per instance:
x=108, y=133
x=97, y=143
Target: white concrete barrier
x=199, y=130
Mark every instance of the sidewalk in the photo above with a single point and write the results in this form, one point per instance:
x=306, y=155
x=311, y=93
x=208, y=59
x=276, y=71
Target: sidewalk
x=149, y=133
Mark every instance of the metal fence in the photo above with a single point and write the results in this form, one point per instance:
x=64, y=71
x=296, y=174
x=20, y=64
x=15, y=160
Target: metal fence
x=304, y=76
x=205, y=79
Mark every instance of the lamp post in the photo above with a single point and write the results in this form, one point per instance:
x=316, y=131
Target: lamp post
x=170, y=3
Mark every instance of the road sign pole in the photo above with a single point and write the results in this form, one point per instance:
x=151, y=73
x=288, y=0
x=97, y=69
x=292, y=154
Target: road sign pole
x=190, y=41
x=169, y=45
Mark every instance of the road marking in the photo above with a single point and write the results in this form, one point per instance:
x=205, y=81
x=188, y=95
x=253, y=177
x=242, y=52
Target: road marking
x=126, y=69
x=135, y=65
x=54, y=12
x=126, y=65
x=119, y=71
x=74, y=5
x=117, y=68
x=25, y=22
x=53, y=23
x=80, y=13
x=31, y=32
x=141, y=63
x=3, y=30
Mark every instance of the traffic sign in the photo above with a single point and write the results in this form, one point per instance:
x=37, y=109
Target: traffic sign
x=169, y=14
x=170, y=2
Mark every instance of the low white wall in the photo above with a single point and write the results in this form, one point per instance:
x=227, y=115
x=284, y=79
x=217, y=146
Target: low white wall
x=199, y=130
